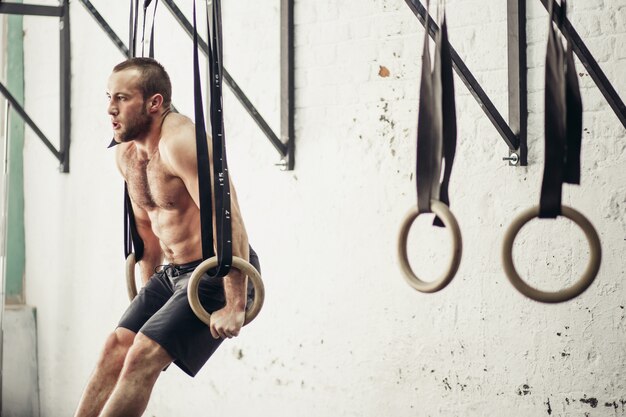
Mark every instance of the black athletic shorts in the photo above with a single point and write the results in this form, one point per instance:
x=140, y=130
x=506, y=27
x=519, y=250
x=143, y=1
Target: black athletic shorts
x=161, y=312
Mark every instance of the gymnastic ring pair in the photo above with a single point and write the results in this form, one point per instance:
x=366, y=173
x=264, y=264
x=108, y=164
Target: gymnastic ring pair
x=192, y=287
x=443, y=212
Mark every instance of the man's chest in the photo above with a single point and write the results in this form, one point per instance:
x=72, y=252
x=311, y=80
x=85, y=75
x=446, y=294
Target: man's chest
x=150, y=185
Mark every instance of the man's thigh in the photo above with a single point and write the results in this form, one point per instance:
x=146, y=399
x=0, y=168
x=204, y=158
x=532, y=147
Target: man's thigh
x=179, y=331
x=150, y=299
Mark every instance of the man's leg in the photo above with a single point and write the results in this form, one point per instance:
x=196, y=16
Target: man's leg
x=143, y=365
x=106, y=374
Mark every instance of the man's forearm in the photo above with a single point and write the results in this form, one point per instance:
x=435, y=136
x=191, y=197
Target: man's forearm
x=235, y=284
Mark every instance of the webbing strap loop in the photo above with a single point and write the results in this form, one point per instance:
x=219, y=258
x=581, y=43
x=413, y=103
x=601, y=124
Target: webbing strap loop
x=563, y=121
x=146, y=4
x=448, y=111
x=151, y=51
x=221, y=183
x=436, y=141
x=131, y=236
x=436, y=128
x=428, y=162
x=132, y=28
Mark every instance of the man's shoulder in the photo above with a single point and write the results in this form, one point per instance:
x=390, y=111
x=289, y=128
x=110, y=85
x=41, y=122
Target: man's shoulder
x=176, y=125
x=177, y=141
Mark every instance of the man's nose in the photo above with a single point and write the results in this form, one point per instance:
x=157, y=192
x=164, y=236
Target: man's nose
x=112, y=109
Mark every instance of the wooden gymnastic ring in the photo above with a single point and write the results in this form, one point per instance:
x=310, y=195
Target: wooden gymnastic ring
x=238, y=263
x=444, y=213
x=131, y=286
x=595, y=257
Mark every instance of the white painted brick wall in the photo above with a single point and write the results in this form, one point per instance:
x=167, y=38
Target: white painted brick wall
x=341, y=333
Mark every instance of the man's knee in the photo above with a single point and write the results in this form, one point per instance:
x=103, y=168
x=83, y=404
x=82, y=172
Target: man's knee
x=116, y=347
x=146, y=355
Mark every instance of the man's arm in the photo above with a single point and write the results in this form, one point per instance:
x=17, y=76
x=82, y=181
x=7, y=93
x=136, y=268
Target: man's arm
x=181, y=154
x=152, y=253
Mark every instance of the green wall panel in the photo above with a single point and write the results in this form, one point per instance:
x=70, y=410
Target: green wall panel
x=15, y=217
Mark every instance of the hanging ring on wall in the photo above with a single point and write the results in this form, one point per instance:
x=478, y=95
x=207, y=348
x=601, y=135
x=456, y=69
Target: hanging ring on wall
x=238, y=263
x=131, y=286
x=443, y=212
x=595, y=256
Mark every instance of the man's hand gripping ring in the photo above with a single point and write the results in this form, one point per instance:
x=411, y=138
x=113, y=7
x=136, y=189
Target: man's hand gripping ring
x=238, y=263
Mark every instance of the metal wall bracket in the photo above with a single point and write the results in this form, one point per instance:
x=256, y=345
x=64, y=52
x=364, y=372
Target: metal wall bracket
x=513, y=158
x=517, y=64
x=286, y=145
x=518, y=90
x=287, y=83
x=515, y=133
x=590, y=64
x=511, y=139
x=62, y=12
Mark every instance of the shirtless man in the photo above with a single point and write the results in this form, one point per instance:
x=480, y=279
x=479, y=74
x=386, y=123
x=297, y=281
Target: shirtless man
x=157, y=158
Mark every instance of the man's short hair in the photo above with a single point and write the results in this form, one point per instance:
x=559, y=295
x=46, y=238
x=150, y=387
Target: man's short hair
x=153, y=78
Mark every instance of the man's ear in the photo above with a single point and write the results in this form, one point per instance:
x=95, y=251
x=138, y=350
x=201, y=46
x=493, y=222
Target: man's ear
x=154, y=103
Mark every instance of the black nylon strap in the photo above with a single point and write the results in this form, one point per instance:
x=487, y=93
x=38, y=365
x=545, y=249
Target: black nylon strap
x=428, y=163
x=131, y=37
x=151, y=51
x=132, y=28
x=573, y=116
x=146, y=4
x=202, y=151
x=448, y=110
x=131, y=236
x=436, y=130
x=221, y=177
x=143, y=26
x=563, y=122
x=221, y=183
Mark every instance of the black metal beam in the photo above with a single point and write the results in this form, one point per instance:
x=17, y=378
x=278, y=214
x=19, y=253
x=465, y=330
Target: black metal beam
x=590, y=64
x=517, y=66
x=468, y=79
x=252, y=111
x=30, y=9
x=287, y=81
x=20, y=110
x=65, y=123
x=65, y=83
x=105, y=26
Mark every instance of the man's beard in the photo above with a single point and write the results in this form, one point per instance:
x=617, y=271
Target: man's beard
x=136, y=126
